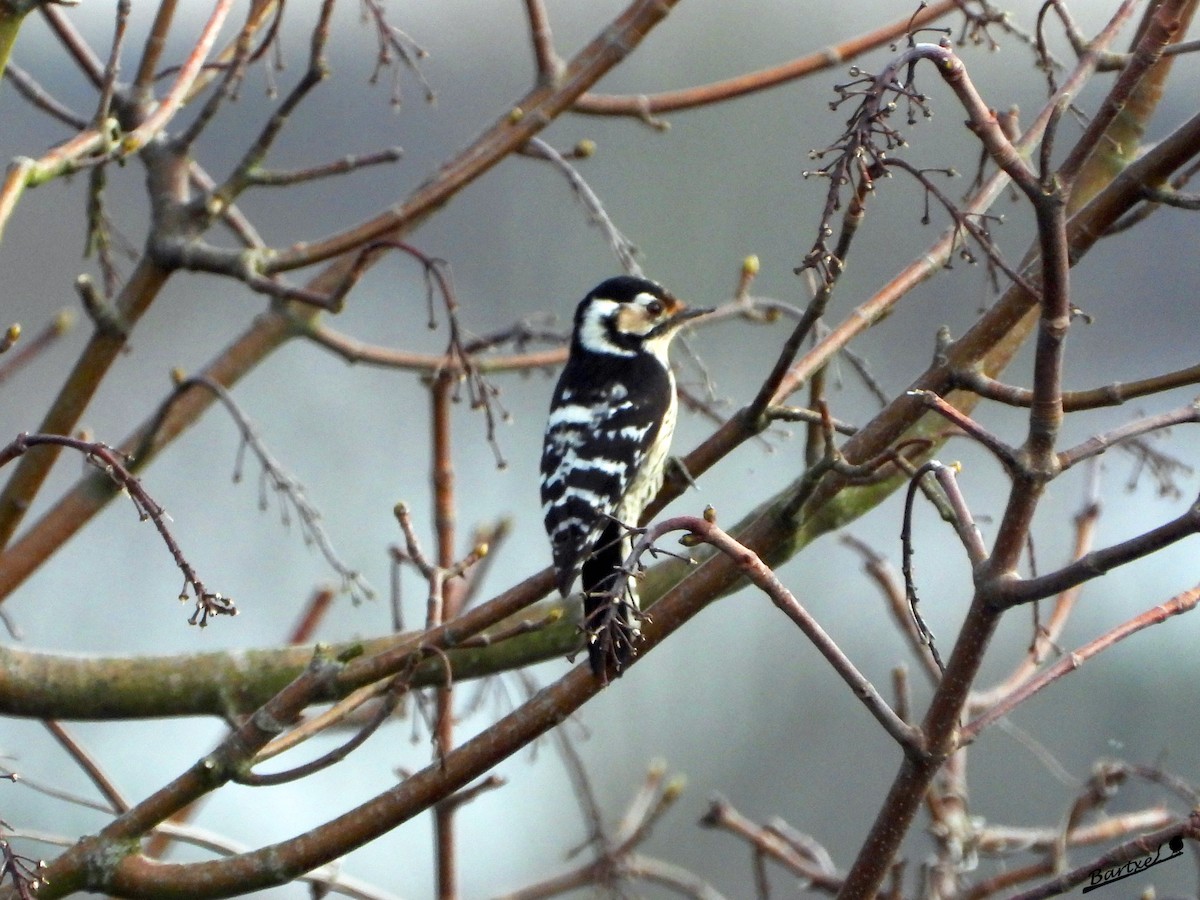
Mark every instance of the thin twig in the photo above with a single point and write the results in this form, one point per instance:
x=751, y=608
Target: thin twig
x=528, y=118
x=891, y=586
x=208, y=603
x=989, y=441
x=1180, y=603
x=286, y=178
x=28, y=88
x=393, y=44
x=241, y=176
x=1045, y=637
x=769, y=842
x=702, y=530
x=549, y=65
x=1073, y=401
x=29, y=349
x=481, y=393
x=231, y=77
x=273, y=477
x=112, y=68
x=76, y=46
x=1096, y=445
x=88, y=763
x=620, y=245
x=391, y=698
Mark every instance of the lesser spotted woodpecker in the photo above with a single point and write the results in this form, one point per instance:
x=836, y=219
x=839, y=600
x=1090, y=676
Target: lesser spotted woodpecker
x=605, y=447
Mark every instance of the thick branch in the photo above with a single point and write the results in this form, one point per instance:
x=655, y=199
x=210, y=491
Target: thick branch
x=528, y=117
x=643, y=105
x=1099, y=562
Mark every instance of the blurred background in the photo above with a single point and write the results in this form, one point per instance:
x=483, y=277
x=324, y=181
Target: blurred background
x=738, y=702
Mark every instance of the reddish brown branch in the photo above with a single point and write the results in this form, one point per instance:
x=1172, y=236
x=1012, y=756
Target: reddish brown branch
x=1113, y=394
x=441, y=391
x=1143, y=846
x=166, y=108
x=548, y=63
x=527, y=118
x=769, y=842
x=88, y=764
x=644, y=105
x=1098, y=562
x=1098, y=444
x=702, y=530
x=1046, y=636
x=1177, y=605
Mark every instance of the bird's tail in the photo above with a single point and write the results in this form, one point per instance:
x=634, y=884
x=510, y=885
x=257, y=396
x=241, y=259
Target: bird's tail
x=609, y=620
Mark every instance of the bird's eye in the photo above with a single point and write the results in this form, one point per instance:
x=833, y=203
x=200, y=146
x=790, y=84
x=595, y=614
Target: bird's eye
x=654, y=307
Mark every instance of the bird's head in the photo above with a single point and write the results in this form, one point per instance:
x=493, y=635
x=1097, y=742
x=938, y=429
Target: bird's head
x=625, y=315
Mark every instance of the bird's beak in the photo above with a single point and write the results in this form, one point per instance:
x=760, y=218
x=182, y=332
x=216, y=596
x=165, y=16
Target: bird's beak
x=680, y=314
x=689, y=312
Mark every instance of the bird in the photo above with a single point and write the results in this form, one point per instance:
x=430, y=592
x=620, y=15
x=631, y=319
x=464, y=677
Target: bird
x=605, y=450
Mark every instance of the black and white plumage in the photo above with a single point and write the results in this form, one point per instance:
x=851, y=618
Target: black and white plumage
x=605, y=447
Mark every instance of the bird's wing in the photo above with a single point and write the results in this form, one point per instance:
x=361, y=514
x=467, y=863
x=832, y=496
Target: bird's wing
x=593, y=447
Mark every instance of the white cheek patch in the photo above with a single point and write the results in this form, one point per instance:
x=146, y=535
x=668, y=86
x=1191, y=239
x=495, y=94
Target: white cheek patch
x=593, y=333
